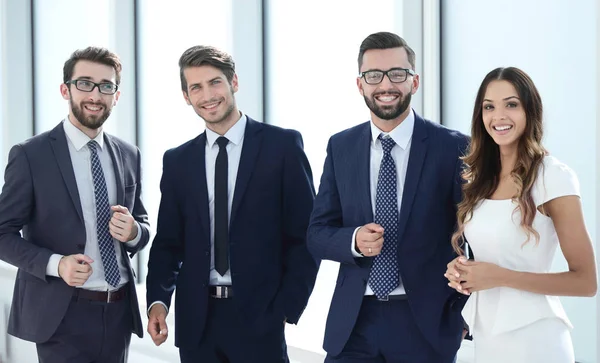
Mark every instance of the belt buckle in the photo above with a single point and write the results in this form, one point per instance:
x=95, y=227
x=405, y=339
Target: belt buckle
x=386, y=298
x=222, y=292
x=108, y=300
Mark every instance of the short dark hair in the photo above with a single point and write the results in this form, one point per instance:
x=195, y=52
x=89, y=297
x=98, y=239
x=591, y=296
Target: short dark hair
x=201, y=55
x=96, y=55
x=385, y=40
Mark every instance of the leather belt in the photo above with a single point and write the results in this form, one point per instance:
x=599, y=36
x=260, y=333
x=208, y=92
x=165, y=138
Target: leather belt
x=220, y=292
x=388, y=298
x=104, y=296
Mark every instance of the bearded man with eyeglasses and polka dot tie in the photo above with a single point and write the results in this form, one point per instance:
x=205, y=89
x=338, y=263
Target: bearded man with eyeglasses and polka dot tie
x=386, y=210
x=74, y=192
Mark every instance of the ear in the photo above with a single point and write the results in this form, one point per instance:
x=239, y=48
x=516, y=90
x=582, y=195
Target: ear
x=64, y=91
x=360, y=86
x=186, y=97
x=415, y=84
x=234, y=83
x=116, y=98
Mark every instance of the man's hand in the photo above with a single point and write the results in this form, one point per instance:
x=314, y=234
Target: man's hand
x=369, y=239
x=75, y=269
x=157, y=324
x=122, y=225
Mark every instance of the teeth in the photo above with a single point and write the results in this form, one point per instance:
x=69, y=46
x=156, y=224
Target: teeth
x=93, y=108
x=502, y=128
x=386, y=98
x=212, y=105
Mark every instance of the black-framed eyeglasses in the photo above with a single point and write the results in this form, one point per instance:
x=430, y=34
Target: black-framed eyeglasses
x=395, y=75
x=107, y=88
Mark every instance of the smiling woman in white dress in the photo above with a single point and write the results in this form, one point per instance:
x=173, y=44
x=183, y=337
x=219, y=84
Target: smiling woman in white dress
x=519, y=204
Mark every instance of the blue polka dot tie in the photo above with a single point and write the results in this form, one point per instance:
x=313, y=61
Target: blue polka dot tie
x=105, y=242
x=384, y=275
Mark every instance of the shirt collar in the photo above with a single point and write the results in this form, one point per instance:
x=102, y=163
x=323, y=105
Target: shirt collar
x=78, y=138
x=235, y=134
x=401, y=134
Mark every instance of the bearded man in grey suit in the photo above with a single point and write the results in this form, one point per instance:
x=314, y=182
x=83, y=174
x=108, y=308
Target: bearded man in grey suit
x=74, y=192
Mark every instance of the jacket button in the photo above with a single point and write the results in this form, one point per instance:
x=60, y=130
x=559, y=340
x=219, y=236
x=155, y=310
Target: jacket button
x=81, y=247
x=206, y=253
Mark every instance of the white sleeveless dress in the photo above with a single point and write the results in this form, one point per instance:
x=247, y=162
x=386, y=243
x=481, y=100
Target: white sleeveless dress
x=510, y=325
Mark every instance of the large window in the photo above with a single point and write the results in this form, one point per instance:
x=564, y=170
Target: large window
x=311, y=71
x=3, y=127
x=165, y=120
x=559, y=52
x=60, y=28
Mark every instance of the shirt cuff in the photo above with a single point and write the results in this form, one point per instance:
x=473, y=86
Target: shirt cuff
x=137, y=238
x=157, y=302
x=52, y=267
x=354, y=253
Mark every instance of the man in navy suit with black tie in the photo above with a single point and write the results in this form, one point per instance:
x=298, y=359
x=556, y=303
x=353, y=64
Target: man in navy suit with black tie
x=231, y=235
x=75, y=192
x=386, y=210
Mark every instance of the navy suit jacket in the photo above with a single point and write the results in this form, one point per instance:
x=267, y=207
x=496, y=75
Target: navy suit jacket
x=426, y=222
x=40, y=197
x=272, y=272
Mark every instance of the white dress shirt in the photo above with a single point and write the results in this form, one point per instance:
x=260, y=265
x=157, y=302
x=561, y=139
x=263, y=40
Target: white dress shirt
x=81, y=160
x=235, y=135
x=402, y=135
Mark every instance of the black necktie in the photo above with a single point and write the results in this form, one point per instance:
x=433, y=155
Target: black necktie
x=221, y=215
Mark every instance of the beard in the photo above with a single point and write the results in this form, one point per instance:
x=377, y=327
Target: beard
x=388, y=112
x=92, y=122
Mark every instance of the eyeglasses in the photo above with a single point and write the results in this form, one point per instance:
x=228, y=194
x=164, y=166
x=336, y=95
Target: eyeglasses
x=84, y=85
x=395, y=75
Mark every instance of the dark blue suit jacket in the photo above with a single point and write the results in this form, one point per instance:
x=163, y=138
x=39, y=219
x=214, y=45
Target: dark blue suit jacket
x=272, y=272
x=426, y=222
x=40, y=197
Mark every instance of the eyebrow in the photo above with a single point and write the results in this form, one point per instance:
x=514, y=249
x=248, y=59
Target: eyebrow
x=504, y=99
x=210, y=80
x=104, y=80
x=381, y=70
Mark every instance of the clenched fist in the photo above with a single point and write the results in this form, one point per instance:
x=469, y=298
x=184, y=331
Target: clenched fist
x=369, y=239
x=122, y=226
x=75, y=269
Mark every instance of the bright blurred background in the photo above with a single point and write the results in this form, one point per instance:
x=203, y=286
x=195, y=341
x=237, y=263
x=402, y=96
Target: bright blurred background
x=296, y=62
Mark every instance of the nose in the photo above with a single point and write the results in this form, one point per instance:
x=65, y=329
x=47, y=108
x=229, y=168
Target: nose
x=498, y=115
x=386, y=83
x=94, y=95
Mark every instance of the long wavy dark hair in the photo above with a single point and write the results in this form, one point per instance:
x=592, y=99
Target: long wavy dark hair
x=482, y=162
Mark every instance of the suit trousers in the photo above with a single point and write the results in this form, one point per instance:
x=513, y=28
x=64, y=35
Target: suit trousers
x=90, y=332
x=228, y=339
x=386, y=332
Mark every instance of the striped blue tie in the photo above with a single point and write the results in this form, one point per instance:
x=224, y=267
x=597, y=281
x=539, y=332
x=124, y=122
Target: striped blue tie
x=105, y=241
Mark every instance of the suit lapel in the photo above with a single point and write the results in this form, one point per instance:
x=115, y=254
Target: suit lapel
x=252, y=142
x=58, y=141
x=117, y=160
x=196, y=170
x=362, y=153
x=418, y=151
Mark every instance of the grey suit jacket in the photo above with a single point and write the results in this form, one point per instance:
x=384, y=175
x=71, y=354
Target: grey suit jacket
x=40, y=197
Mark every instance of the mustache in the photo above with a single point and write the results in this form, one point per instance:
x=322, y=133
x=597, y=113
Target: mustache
x=102, y=104
x=390, y=93
x=212, y=100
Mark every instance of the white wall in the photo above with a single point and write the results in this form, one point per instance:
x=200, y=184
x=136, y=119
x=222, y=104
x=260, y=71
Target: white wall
x=555, y=42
